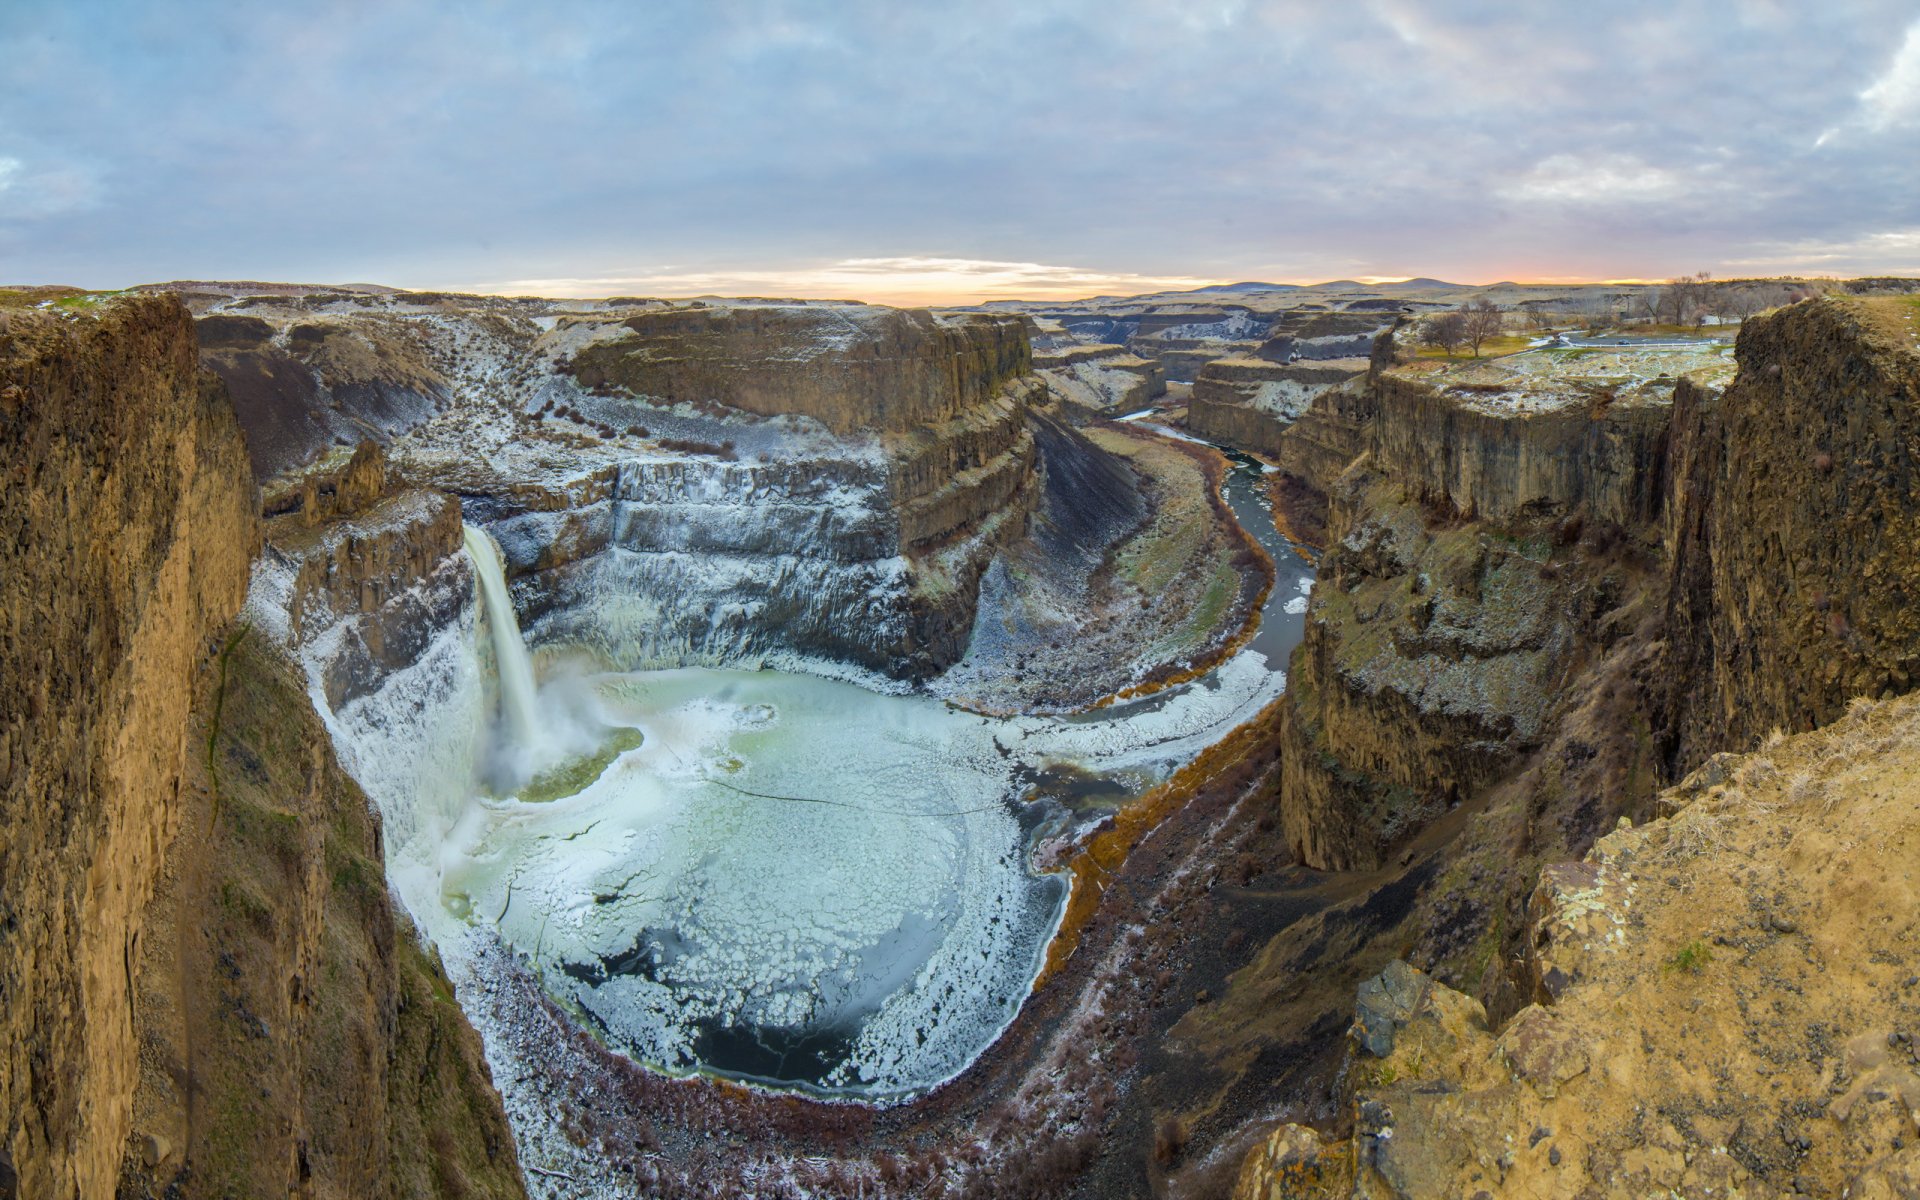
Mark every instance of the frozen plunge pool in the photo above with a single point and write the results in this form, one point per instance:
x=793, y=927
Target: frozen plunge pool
x=797, y=880
x=790, y=878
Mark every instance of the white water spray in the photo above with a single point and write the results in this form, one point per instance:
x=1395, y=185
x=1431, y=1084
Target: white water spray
x=509, y=651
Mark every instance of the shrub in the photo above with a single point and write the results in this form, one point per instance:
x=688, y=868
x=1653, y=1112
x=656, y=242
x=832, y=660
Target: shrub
x=1691, y=959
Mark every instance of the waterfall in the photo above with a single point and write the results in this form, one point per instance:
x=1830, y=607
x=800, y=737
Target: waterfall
x=509, y=652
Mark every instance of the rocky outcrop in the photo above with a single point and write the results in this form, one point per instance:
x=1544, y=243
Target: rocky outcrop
x=378, y=587
x=1102, y=379
x=1435, y=654
x=1497, y=455
x=1696, y=1030
x=1324, y=335
x=1796, y=510
x=129, y=519
x=1251, y=403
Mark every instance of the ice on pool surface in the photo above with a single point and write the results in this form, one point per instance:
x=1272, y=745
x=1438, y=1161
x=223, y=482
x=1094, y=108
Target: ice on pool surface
x=791, y=877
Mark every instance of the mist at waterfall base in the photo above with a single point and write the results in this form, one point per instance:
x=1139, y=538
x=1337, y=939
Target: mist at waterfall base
x=777, y=876
x=534, y=730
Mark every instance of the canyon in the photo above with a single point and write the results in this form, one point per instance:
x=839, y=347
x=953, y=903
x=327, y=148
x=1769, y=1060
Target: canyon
x=1180, y=745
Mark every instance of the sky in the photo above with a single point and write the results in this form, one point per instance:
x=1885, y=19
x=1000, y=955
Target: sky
x=919, y=151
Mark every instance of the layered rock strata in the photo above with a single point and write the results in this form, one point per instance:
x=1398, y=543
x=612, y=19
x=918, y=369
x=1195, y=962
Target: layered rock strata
x=1498, y=454
x=812, y=480
x=1251, y=403
x=130, y=517
x=1102, y=379
x=1487, y=546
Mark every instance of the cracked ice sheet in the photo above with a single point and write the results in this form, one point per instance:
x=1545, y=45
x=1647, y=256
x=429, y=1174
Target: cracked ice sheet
x=785, y=856
x=781, y=853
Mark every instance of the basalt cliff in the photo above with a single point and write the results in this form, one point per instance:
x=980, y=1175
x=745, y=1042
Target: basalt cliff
x=1572, y=860
x=1553, y=614
x=211, y=988
x=208, y=991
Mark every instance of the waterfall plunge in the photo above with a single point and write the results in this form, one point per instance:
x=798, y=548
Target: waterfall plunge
x=515, y=666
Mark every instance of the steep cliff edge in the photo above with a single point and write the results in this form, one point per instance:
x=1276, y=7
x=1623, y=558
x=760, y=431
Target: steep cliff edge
x=1103, y=379
x=295, y=1039
x=1754, y=577
x=1497, y=539
x=1725, y=1004
x=129, y=519
x=1252, y=402
x=203, y=987
x=1794, y=519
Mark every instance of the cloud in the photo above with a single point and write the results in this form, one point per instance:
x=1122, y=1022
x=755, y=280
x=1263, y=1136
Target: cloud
x=780, y=146
x=1604, y=179
x=1894, y=98
x=1891, y=251
x=30, y=192
x=900, y=280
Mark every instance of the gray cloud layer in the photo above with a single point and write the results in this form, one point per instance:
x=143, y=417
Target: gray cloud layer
x=462, y=144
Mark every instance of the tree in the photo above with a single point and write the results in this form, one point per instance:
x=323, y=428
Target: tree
x=1482, y=319
x=1686, y=298
x=1445, y=331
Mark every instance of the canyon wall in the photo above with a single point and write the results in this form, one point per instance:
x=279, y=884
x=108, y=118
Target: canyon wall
x=295, y=1037
x=848, y=366
x=204, y=989
x=1758, y=583
x=1104, y=379
x=726, y=481
x=1793, y=524
x=1481, y=552
x=1252, y=403
x=1597, y=452
x=130, y=518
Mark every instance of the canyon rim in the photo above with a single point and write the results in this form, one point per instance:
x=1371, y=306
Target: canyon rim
x=730, y=672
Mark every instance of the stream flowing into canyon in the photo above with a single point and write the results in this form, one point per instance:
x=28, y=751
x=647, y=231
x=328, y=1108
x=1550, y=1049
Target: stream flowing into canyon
x=776, y=876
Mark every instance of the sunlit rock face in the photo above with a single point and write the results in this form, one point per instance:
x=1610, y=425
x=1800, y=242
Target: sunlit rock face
x=127, y=517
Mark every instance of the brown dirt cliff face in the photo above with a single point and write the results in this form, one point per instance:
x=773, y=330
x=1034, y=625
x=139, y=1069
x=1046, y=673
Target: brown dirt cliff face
x=1728, y=1008
x=128, y=517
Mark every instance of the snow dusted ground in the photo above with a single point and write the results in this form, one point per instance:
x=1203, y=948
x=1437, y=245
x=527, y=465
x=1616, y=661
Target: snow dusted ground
x=807, y=875
x=792, y=876
x=1549, y=379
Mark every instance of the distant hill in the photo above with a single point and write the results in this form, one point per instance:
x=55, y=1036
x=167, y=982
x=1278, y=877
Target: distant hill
x=1405, y=285
x=1249, y=287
